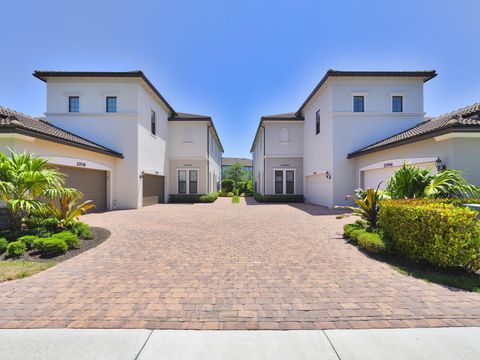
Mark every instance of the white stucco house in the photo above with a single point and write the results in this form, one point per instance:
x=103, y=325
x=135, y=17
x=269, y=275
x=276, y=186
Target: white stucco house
x=354, y=130
x=117, y=139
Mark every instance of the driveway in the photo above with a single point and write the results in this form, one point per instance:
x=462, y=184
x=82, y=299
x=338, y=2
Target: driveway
x=225, y=266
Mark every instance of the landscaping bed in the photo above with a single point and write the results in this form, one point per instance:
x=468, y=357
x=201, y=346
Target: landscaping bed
x=191, y=199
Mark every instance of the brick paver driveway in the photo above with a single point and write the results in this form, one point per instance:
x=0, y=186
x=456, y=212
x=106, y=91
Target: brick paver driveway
x=224, y=266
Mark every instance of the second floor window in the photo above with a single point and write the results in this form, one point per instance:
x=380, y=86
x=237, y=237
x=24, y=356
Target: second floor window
x=317, y=122
x=153, y=123
x=111, y=104
x=397, y=103
x=73, y=104
x=358, y=103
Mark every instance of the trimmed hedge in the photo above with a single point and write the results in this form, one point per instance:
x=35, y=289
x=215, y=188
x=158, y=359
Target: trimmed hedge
x=279, y=198
x=372, y=242
x=3, y=245
x=51, y=245
x=16, y=248
x=435, y=232
x=197, y=198
x=70, y=239
x=82, y=230
x=28, y=240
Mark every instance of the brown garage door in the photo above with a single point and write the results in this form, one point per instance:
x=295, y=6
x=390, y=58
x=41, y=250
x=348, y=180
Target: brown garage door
x=153, y=189
x=92, y=183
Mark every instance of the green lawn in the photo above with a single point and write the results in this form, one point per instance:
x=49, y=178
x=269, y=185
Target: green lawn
x=235, y=199
x=17, y=269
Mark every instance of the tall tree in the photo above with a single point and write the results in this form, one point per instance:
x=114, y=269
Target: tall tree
x=236, y=173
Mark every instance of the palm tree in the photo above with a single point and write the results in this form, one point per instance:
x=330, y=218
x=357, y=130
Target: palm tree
x=412, y=182
x=24, y=180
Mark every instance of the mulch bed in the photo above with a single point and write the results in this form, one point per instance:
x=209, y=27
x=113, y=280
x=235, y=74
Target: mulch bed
x=99, y=236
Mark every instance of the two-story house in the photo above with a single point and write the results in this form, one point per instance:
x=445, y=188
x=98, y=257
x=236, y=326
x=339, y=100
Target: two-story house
x=114, y=135
x=346, y=123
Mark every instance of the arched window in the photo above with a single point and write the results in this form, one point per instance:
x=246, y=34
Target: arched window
x=284, y=135
x=187, y=135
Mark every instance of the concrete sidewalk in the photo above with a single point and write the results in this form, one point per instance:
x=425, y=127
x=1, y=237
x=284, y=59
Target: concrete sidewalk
x=392, y=344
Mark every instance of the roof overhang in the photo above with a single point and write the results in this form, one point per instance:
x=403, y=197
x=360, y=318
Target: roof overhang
x=426, y=75
x=34, y=134
x=440, y=132
x=46, y=75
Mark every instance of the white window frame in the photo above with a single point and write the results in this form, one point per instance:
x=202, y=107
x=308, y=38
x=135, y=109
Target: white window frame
x=364, y=94
x=284, y=187
x=404, y=100
x=283, y=141
x=188, y=180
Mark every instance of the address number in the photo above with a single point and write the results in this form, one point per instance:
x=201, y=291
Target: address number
x=81, y=164
x=386, y=165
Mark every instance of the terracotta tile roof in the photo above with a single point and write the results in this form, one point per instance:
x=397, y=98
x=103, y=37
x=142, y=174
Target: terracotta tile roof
x=464, y=119
x=14, y=121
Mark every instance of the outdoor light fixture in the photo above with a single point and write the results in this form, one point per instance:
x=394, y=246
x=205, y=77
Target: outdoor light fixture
x=328, y=175
x=439, y=165
x=142, y=174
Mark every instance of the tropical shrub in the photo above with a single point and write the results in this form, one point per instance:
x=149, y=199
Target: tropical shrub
x=82, y=230
x=16, y=248
x=51, y=245
x=70, y=238
x=410, y=181
x=435, y=232
x=279, y=198
x=367, y=208
x=41, y=224
x=250, y=186
x=227, y=185
x=69, y=210
x=236, y=174
x=242, y=187
x=24, y=179
x=209, y=198
x=230, y=194
x=3, y=245
x=353, y=231
x=28, y=240
x=372, y=241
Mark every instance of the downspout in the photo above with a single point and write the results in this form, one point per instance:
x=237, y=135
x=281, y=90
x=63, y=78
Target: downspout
x=208, y=157
x=264, y=160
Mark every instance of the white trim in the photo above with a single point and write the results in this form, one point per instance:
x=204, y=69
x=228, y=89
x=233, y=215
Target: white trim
x=397, y=162
x=458, y=135
x=188, y=158
x=101, y=114
x=17, y=137
x=284, y=180
x=317, y=172
x=280, y=156
x=372, y=113
x=404, y=102
x=398, y=93
x=86, y=164
x=187, y=182
x=75, y=162
x=364, y=94
x=153, y=172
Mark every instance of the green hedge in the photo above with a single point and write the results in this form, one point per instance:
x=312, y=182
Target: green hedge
x=370, y=241
x=279, y=198
x=197, y=198
x=435, y=232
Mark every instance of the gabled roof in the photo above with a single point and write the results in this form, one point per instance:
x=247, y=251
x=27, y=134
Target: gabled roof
x=462, y=120
x=425, y=74
x=195, y=117
x=226, y=161
x=12, y=121
x=44, y=75
x=291, y=116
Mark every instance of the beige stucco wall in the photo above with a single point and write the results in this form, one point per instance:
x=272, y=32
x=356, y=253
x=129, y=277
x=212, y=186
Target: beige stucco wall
x=187, y=164
x=288, y=163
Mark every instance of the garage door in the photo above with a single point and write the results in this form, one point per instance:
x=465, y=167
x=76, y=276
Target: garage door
x=317, y=190
x=371, y=178
x=153, y=189
x=92, y=183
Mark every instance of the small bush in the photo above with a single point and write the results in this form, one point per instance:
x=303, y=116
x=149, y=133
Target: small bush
x=41, y=224
x=70, y=239
x=372, y=241
x=184, y=198
x=435, y=232
x=235, y=199
x=16, y=248
x=51, y=245
x=209, y=198
x=227, y=185
x=3, y=245
x=82, y=230
x=28, y=240
x=279, y=198
x=349, y=230
x=230, y=194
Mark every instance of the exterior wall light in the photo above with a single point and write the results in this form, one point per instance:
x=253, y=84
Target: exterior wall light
x=439, y=165
x=142, y=174
x=328, y=175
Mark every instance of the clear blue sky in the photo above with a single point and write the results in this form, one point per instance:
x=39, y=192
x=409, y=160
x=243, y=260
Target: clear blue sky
x=237, y=60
